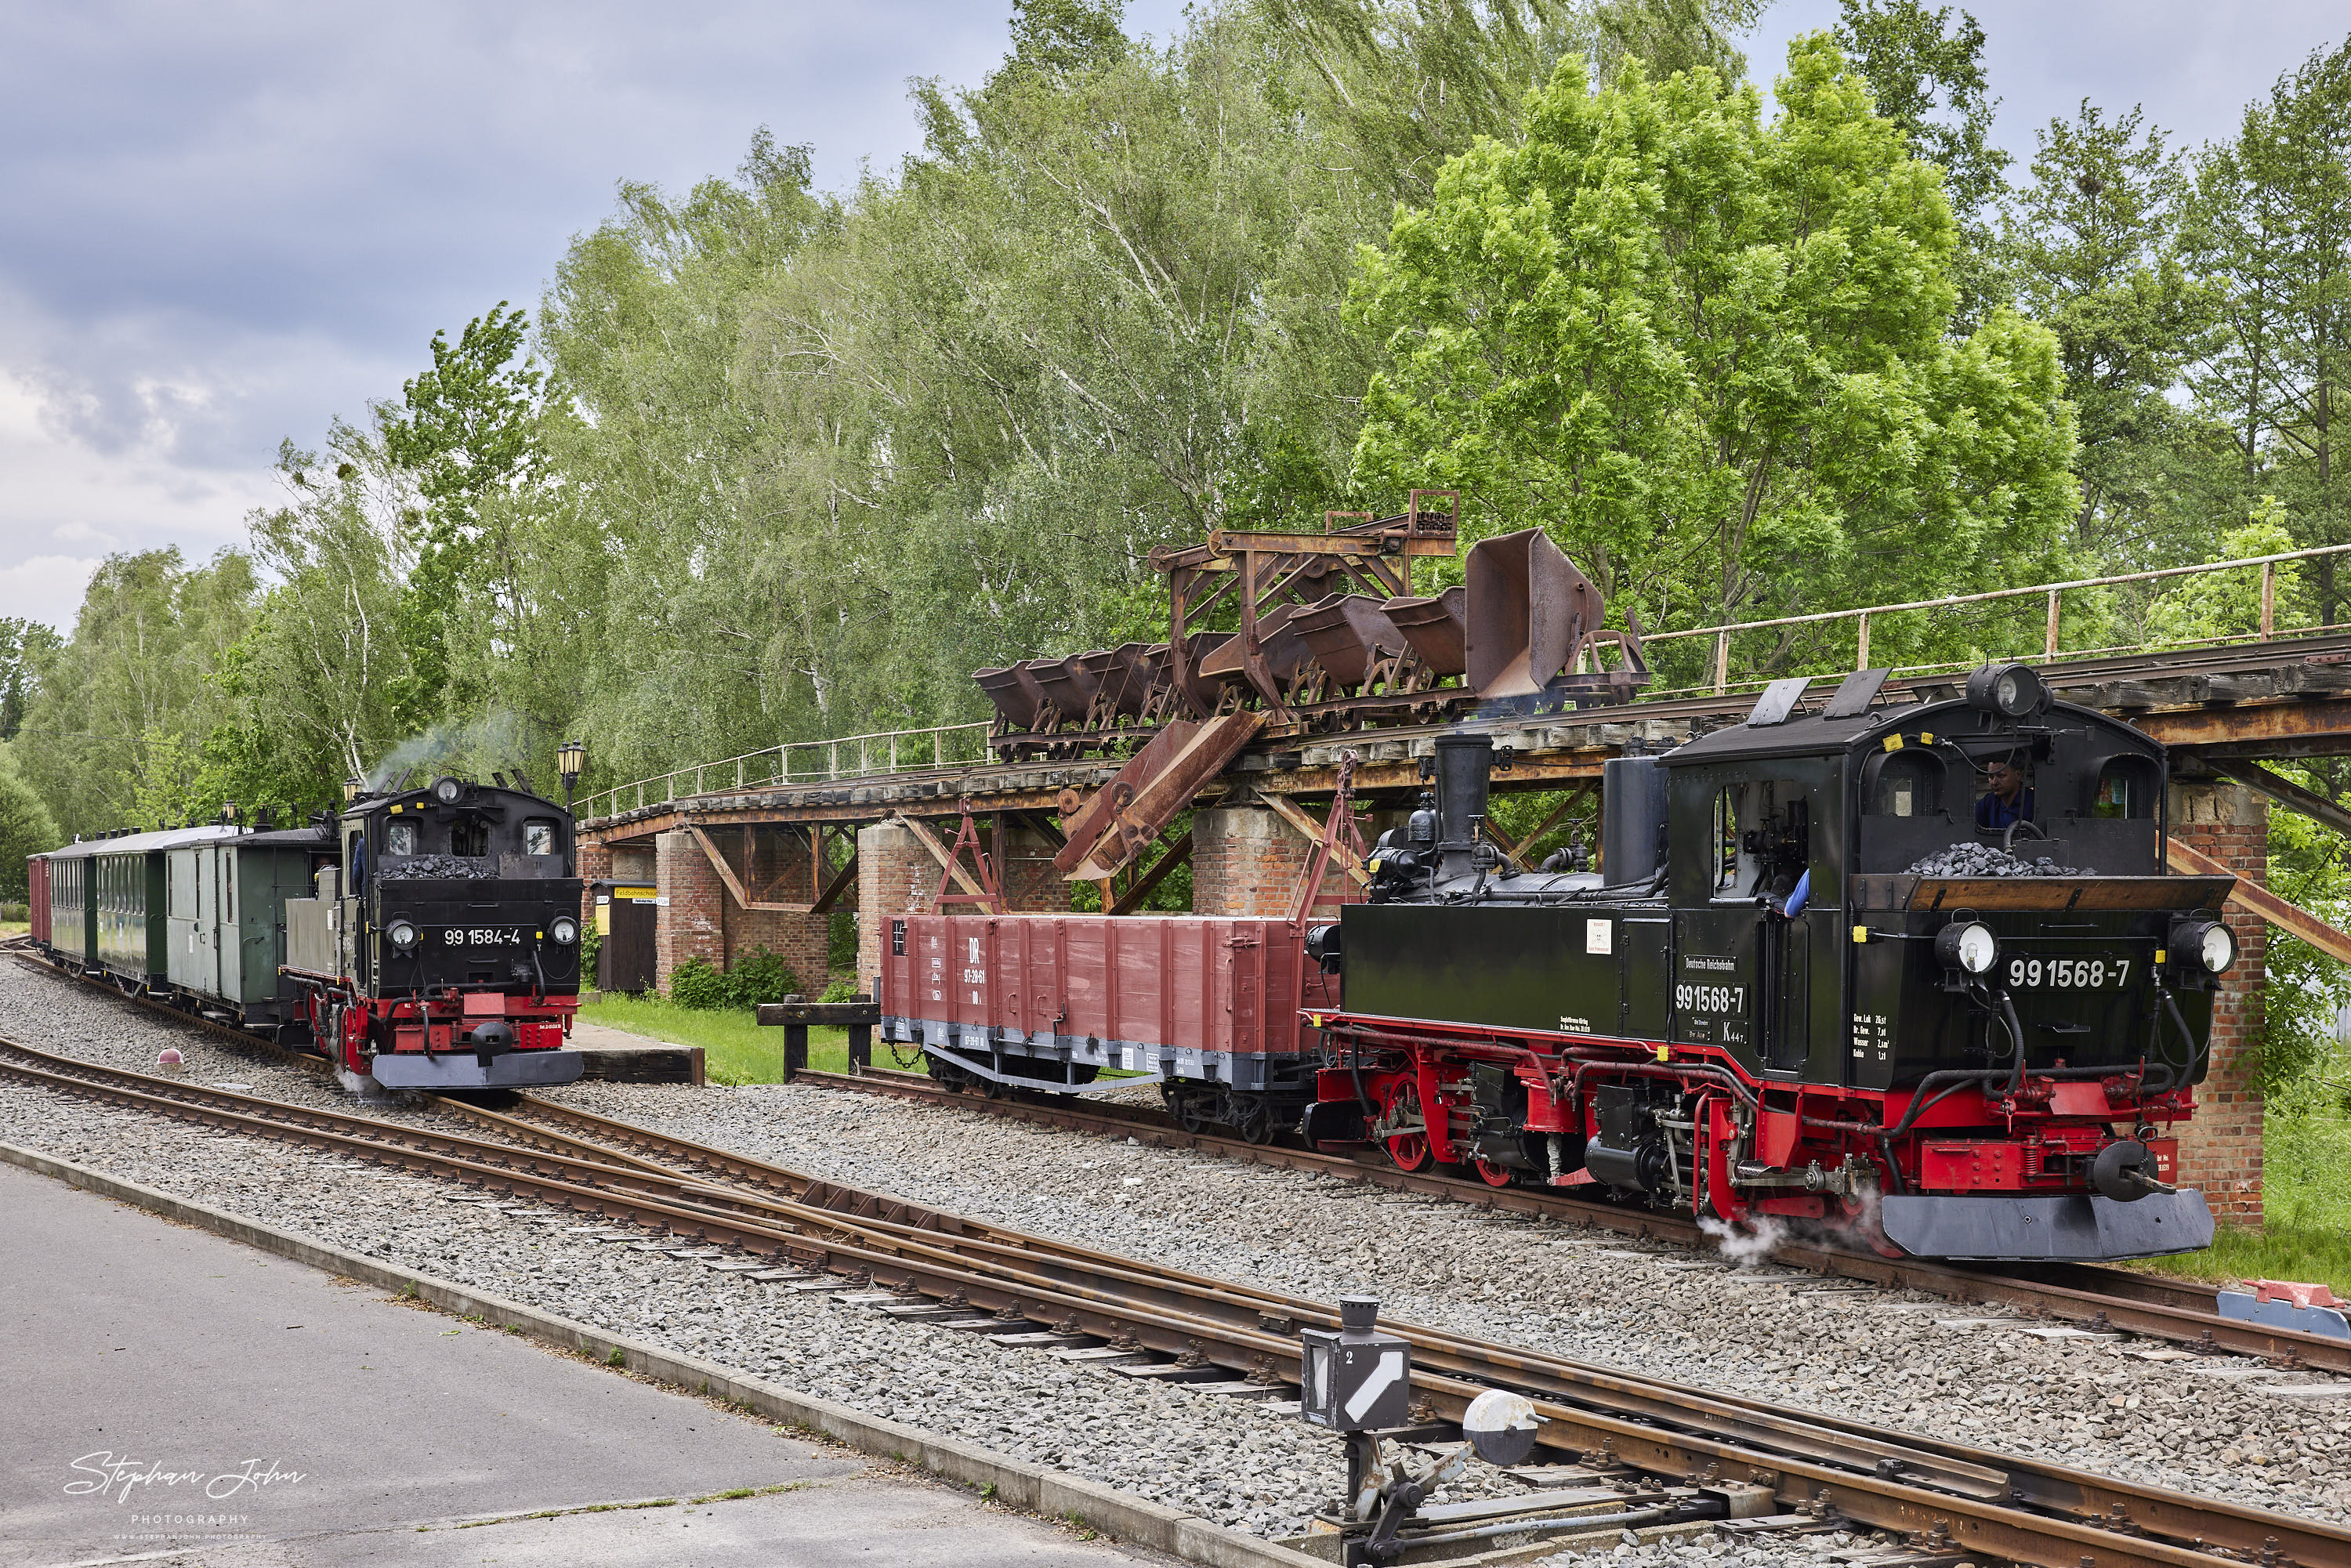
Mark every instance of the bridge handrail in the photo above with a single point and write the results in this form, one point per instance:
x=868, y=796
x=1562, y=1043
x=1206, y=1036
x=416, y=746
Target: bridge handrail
x=1722, y=634
x=898, y=742
x=880, y=752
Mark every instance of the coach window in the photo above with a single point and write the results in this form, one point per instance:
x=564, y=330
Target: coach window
x=400, y=839
x=538, y=837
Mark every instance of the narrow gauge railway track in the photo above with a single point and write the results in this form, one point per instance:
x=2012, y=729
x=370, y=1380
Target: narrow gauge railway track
x=1658, y=1436
x=2119, y=1299
x=2180, y=1311
x=2177, y=1310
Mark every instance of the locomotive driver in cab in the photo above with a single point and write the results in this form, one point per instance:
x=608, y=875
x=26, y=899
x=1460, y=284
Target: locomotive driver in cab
x=2008, y=799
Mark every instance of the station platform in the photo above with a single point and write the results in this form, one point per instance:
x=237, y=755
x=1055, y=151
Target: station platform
x=174, y=1397
x=614, y=1055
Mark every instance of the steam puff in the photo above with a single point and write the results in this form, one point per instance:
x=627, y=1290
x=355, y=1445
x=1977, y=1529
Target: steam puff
x=494, y=740
x=1745, y=1248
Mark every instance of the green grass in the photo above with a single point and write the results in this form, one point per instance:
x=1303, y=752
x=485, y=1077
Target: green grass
x=735, y=1048
x=2307, y=1222
x=15, y=928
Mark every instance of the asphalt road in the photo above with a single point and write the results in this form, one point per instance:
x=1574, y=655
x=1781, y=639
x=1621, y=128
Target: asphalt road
x=168, y=1395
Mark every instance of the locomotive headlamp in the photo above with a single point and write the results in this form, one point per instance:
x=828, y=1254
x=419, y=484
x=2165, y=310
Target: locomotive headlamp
x=2207, y=944
x=564, y=929
x=447, y=788
x=2011, y=691
x=402, y=934
x=1967, y=944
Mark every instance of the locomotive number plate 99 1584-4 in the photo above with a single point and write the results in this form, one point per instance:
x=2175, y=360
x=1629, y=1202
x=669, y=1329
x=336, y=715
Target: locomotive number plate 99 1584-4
x=2074, y=974
x=481, y=936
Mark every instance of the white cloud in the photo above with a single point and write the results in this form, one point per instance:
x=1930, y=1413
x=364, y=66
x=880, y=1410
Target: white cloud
x=80, y=533
x=45, y=588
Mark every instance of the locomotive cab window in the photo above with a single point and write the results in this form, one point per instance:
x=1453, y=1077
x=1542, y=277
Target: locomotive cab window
x=1906, y=784
x=1737, y=808
x=400, y=839
x=469, y=836
x=2126, y=788
x=538, y=837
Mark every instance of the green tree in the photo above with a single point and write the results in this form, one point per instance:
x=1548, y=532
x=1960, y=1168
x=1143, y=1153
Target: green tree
x=2272, y=227
x=1710, y=356
x=24, y=647
x=112, y=734
x=1666, y=36
x=467, y=433
x=2205, y=608
x=26, y=826
x=1925, y=74
x=2093, y=244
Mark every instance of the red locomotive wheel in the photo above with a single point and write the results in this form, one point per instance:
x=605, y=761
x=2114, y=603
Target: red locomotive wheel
x=1493, y=1174
x=1408, y=1150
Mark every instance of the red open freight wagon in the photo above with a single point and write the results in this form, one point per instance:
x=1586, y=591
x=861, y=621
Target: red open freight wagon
x=1048, y=1001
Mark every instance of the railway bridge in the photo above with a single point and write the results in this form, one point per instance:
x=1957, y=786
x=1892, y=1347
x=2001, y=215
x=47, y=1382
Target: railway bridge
x=765, y=849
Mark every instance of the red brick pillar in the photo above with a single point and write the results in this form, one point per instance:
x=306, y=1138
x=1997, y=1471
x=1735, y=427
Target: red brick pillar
x=1248, y=860
x=2221, y=1149
x=594, y=861
x=774, y=868
x=691, y=918
x=895, y=875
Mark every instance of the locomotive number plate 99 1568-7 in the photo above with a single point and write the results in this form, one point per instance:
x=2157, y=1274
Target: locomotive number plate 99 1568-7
x=2073, y=974
x=483, y=936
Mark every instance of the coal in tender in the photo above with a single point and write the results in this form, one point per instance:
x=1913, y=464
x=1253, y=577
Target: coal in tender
x=438, y=868
x=1984, y=860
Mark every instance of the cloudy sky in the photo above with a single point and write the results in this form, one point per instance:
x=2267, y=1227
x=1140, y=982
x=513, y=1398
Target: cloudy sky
x=228, y=223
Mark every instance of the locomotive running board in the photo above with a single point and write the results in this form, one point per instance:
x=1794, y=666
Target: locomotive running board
x=2075, y=1228
x=462, y=1070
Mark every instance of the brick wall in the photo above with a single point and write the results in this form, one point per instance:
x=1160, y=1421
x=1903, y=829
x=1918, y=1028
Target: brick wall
x=1247, y=860
x=595, y=865
x=691, y=921
x=895, y=875
x=1025, y=871
x=773, y=865
x=703, y=919
x=2221, y=1149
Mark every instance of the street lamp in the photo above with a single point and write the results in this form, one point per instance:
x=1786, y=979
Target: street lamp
x=570, y=757
x=351, y=788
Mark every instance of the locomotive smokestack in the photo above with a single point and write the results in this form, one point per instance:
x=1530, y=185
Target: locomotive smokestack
x=1465, y=767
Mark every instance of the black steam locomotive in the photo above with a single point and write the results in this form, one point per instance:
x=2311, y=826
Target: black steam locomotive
x=1819, y=976
x=425, y=939
x=441, y=950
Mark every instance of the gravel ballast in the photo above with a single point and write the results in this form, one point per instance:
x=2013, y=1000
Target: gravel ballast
x=1870, y=1354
